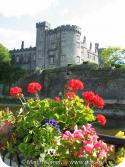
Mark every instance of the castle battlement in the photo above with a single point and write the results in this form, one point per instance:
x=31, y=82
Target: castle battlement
x=61, y=28
x=67, y=27
x=42, y=24
x=25, y=49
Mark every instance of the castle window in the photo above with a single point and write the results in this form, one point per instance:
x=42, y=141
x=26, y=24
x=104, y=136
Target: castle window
x=17, y=59
x=62, y=57
x=89, y=56
x=93, y=57
x=78, y=44
x=51, y=59
x=78, y=59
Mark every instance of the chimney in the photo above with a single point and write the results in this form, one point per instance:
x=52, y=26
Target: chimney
x=96, y=47
x=84, y=39
x=22, y=45
x=90, y=48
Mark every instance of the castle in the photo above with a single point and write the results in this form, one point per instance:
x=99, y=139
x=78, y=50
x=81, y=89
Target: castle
x=55, y=48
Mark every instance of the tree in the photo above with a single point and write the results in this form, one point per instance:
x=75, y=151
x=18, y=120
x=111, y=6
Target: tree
x=4, y=54
x=8, y=73
x=106, y=53
x=117, y=58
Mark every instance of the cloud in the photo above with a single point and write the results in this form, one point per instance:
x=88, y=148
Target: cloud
x=12, y=38
x=24, y=7
x=106, y=25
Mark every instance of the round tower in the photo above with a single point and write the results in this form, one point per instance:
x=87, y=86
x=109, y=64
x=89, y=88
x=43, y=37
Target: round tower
x=70, y=45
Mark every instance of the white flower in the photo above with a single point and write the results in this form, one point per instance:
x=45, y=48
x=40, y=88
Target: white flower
x=51, y=152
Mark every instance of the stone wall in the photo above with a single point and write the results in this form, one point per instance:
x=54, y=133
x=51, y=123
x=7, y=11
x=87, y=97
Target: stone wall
x=108, y=83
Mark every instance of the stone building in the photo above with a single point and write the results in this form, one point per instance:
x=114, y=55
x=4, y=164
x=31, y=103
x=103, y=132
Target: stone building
x=55, y=48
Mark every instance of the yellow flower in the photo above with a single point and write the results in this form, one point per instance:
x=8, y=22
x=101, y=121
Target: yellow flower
x=120, y=134
x=0, y=114
x=119, y=160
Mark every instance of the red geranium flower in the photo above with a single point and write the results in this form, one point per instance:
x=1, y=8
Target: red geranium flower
x=70, y=95
x=56, y=98
x=33, y=87
x=16, y=91
x=93, y=99
x=88, y=96
x=98, y=102
x=101, y=119
x=75, y=84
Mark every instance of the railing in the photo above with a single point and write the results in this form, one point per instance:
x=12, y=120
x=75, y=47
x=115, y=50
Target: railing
x=117, y=141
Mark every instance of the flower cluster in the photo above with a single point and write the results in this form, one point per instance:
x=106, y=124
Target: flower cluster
x=93, y=99
x=16, y=91
x=85, y=142
x=34, y=87
x=101, y=119
x=75, y=85
x=52, y=122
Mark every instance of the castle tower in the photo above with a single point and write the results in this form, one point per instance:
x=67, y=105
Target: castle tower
x=70, y=45
x=41, y=31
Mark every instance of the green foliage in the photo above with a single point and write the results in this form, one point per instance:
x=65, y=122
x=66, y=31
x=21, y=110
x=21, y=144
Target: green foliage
x=63, y=111
x=92, y=65
x=4, y=54
x=10, y=74
x=105, y=55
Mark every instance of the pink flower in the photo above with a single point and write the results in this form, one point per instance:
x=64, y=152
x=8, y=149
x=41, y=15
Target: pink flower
x=102, y=154
x=70, y=95
x=67, y=135
x=89, y=147
x=78, y=134
x=80, y=156
x=56, y=99
x=97, y=145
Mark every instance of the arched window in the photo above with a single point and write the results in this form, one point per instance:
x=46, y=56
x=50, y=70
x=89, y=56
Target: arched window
x=51, y=59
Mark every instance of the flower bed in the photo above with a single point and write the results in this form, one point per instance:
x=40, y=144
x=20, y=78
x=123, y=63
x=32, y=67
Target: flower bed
x=55, y=132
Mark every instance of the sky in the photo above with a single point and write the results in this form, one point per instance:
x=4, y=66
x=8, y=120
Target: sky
x=101, y=21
